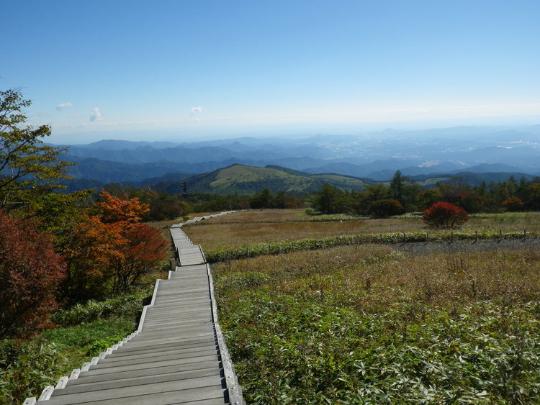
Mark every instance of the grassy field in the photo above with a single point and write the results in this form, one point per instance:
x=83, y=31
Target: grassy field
x=275, y=215
x=250, y=227
x=372, y=324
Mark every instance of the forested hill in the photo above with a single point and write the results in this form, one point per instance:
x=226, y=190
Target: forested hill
x=242, y=179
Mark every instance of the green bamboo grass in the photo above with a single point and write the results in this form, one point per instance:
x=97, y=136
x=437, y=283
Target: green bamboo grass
x=272, y=248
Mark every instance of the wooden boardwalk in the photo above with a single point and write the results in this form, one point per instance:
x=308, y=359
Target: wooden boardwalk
x=177, y=355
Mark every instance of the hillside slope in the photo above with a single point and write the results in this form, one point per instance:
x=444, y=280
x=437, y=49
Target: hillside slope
x=242, y=179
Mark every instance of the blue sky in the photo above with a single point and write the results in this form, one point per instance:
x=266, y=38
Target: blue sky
x=188, y=69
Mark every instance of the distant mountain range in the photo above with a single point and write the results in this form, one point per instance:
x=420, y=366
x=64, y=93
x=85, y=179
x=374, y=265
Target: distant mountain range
x=244, y=179
x=376, y=156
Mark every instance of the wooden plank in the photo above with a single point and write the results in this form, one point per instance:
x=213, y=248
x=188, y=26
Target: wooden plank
x=159, y=398
x=141, y=389
x=155, y=353
x=155, y=364
x=143, y=380
x=89, y=376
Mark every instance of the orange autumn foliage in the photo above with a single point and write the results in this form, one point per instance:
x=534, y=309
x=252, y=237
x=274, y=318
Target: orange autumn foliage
x=112, y=250
x=90, y=256
x=144, y=249
x=114, y=209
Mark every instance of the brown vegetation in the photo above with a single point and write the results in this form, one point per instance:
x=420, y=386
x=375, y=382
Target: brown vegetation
x=371, y=277
x=250, y=227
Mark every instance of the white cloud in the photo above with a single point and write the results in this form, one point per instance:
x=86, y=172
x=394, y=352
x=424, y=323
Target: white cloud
x=64, y=105
x=95, y=115
x=196, y=112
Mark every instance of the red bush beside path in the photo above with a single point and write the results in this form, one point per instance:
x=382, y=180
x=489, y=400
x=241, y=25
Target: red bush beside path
x=30, y=272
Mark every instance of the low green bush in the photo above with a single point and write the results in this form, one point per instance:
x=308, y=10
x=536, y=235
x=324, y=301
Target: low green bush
x=83, y=331
x=28, y=366
x=240, y=281
x=271, y=248
x=124, y=305
x=301, y=351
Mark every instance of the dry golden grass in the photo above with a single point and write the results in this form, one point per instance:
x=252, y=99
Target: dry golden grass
x=374, y=277
x=263, y=215
x=219, y=235
x=248, y=227
x=213, y=236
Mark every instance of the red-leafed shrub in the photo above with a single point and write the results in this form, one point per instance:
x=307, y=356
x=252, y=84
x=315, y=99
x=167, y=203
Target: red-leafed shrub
x=30, y=273
x=445, y=215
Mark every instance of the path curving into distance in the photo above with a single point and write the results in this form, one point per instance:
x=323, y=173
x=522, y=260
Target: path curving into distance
x=176, y=356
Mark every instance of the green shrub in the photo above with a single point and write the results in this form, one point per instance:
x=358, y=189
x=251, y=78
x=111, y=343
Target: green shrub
x=102, y=344
x=385, y=208
x=252, y=279
x=27, y=369
x=271, y=248
x=125, y=305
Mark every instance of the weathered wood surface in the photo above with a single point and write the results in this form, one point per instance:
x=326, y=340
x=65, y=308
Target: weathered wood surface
x=177, y=355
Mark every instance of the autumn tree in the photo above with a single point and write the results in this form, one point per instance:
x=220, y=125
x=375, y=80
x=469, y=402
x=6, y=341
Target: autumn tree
x=143, y=249
x=114, y=209
x=140, y=247
x=112, y=249
x=513, y=204
x=93, y=249
x=30, y=273
x=445, y=215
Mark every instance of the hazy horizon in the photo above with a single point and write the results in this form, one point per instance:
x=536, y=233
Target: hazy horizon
x=172, y=136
